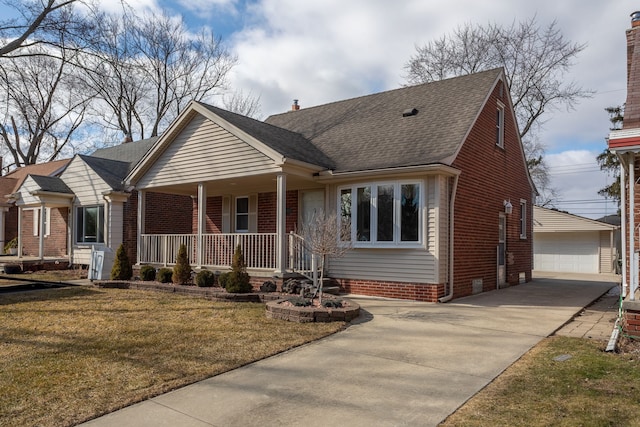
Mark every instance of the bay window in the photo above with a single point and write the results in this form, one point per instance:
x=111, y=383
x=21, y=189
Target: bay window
x=384, y=214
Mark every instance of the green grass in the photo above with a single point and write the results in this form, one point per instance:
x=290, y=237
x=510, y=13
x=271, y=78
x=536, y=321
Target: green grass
x=592, y=388
x=71, y=354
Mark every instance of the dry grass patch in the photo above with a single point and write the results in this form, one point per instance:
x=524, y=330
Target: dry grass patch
x=44, y=275
x=71, y=354
x=592, y=388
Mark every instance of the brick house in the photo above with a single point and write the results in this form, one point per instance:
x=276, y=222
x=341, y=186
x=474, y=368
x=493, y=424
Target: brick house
x=9, y=183
x=431, y=178
x=625, y=143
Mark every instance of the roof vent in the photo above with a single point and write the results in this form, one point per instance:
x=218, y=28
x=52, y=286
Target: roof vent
x=635, y=16
x=410, y=112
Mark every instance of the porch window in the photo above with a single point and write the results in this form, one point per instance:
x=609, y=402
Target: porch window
x=386, y=214
x=90, y=224
x=242, y=214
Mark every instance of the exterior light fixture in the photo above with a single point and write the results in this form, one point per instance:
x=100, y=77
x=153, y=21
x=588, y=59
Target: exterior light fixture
x=508, y=207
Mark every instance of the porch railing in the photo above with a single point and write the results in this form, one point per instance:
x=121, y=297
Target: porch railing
x=259, y=250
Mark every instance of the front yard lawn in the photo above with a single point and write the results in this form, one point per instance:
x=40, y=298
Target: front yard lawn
x=590, y=388
x=68, y=355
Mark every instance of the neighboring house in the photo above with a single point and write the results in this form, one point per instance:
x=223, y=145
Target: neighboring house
x=9, y=183
x=563, y=242
x=625, y=143
x=83, y=205
x=431, y=178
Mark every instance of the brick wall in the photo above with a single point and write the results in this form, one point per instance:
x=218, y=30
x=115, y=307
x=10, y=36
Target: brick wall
x=631, y=322
x=267, y=211
x=55, y=244
x=490, y=175
x=411, y=291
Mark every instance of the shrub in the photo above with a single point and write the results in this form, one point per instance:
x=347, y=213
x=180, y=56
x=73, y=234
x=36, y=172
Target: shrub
x=147, y=273
x=164, y=275
x=223, y=279
x=205, y=279
x=300, y=302
x=332, y=303
x=239, y=280
x=269, y=286
x=182, y=270
x=121, y=269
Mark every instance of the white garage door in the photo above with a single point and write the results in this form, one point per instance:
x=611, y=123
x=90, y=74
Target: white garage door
x=566, y=252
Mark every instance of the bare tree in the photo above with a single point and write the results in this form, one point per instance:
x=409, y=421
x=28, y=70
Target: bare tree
x=42, y=107
x=535, y=59
x=326, y=237
x=147, y=69
x=38, y=22
x=241, y=103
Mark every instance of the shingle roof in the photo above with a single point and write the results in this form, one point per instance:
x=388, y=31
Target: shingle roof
x=290, y=144
x=17, y=176
x=111, y=171
x=370, y=132
x=51, y=183
x=130, y=152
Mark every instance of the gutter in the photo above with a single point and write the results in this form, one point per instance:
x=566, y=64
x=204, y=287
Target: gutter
x=452, y=200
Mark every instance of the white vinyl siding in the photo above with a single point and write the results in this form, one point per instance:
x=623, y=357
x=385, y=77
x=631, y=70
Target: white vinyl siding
x=87, y=186
x=205, y=151
x=115, y=227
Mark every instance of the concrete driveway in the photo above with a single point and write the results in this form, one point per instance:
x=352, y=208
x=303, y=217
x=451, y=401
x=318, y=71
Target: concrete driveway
x=401, y=363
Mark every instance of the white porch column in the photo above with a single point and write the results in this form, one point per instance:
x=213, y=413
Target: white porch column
x=281, y=222
x=19, y=231
x=623, y=227
x=634, y=267
x=141, y=215
x=202, y=223
x=43, y=213
x=70, y=228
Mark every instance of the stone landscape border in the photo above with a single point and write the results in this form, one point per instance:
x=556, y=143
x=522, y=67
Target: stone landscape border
x=276, y=310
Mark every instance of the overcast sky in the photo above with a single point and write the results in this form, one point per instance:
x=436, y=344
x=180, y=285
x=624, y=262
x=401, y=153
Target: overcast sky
x=324, y=51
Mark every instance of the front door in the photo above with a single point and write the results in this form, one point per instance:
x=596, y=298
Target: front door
x=312, y=204
x=501, y=250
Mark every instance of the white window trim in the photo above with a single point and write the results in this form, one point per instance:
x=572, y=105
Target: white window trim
x=373, y=243
x=500, y=126
x=76, y=237
x=523, y=219
x=235, y=214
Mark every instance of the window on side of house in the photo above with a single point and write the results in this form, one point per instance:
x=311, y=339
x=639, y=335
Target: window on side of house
x=384, y=214
x=500, y=125
x=523, y=219
x=90, y=224
x=242, y=214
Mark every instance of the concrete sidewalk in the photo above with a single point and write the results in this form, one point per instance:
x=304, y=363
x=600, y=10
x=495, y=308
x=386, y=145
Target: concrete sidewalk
x=401, y=363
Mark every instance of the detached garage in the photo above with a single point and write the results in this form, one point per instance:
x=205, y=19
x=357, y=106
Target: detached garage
x=568, y=243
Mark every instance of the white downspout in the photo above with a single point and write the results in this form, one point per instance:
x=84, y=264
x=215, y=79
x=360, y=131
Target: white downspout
x=634, y=267
x=452, y=200
x=623, y=225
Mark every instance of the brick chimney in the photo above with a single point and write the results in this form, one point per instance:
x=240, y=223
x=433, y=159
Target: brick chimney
x=632, y=106
x=295, y=106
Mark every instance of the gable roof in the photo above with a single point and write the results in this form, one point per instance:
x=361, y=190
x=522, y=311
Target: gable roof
x=111, y=171
x=15, y=178
x=289, y=144
x=51, y=183
x=371, y=132
x=552, y=221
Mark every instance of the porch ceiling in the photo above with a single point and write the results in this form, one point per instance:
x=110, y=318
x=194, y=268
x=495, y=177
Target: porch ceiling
x=239, y=185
